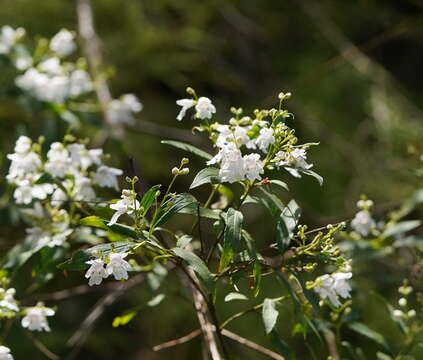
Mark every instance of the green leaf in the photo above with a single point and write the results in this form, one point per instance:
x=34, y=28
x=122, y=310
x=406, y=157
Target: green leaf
x=280, y=183
x=314, y=174
x=22, y=252
x=78, y=260
x=401, y=227
x=270, y=200
x=193, y=209
x=183, y=241
x=280, y=345
x=411, y=203
x=231, y=237
x=96, y=222
x=235, y=296
x=148, y=199
x=383, y=356
x=288, y=221
x=189, y=148
x=209, y=175
x=364, y=330
x=269, y=315
x=46, y=178
x=198, y=266
x=174, y=206
x=257, y=273
x=125, y=318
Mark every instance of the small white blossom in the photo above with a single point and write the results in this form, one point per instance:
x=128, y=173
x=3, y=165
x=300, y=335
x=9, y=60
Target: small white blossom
x=294, y=162
x=186, y=104
x=363, y=222
x=107, y=177
x=121, y=111
x=79, y=83
x=51, y=66
x=63, y=43
x=334, y=285
x=397, y=313
x=36, y=318
x=204, y=108
x=265, y=139
x=5, y=353
x=7, y=300
x=118, y=266
x=58, y=160
x=126, y=205
x=9, y=37
x=253, y=167
x=232, y=164
x=96, y=272
x=23, y=61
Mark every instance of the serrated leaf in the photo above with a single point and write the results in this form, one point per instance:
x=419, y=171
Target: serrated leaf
x=148, y=199
x=288, y=221
x=209, y=175
x=78, y=260
x=189, y=148
x=235, y=296
x=401, y=227
x=269, y=315
x=198, y=266
x=364, y=330
x=231, y=237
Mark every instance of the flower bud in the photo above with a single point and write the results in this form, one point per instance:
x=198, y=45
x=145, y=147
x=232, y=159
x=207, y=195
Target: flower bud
x=184, y=171
x=184, y=161
x=411, y=313
x=397, y=313
x=402, y=302
x=190, y=91
x=175, y=171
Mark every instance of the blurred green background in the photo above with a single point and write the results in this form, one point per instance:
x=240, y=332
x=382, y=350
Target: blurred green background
x=353, y=68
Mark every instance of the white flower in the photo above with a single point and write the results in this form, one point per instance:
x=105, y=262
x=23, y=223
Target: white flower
x=121, y=111
x=55, y=90
x=265, y=139
x=63, y=43
x=294, y=162
x=397, y=313
x=83, y=189
x=84, y=158
x=58, y=160
x=7, y=299
x=36, y=318
x=23, y=61
x=32, y=81
x=125, y=206
x=5, y=353
x=51, y=66
x=363, y=222
x=96, y=273
x=107, y=177
x=26, y=191
x=79, y=83
x=9, y=37
x=186, y=104
x=334, y=285
x=232, y=164
x=253, y=167
x=240, y=135
x=117, y=266
x=204, y=108
x=24, y=161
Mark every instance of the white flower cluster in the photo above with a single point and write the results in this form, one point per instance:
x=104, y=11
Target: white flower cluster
x=35, y=317
x=77, y=168
x=9, y=37
x=5, y=353
x=203, y=107
x=126, y=205
x=122, y=110
x=363, y=221
x=116, y=265
x=333, y=285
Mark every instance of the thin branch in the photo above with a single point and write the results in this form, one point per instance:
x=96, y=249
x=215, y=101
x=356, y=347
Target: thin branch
x=252, y=345
x=179, y=341
x=40, y=346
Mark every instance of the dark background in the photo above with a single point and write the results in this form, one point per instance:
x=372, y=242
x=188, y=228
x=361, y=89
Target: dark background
x=354, y=68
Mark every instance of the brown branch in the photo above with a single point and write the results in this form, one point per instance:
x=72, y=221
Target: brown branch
x=179, y=341
x=252, y=345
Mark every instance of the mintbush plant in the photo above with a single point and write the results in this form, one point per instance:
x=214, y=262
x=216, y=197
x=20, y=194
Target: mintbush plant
x=74, y=224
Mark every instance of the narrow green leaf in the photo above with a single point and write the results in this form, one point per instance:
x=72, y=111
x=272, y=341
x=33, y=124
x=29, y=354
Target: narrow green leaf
x=401, y=227
x=189, y=148
x=78, y=260
x=269, y=315
x=280, y=183
x=209, y=175
x=148, y=199
x=235, y=296
x=97, y=222
x=288, y=221
x=192, y=209
x=198, y=266
x=231, y=237
x=174, y=206
x=270, y=200
x=257, y=273
x=183, y=241
x=364, y=330
x=315, y=175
